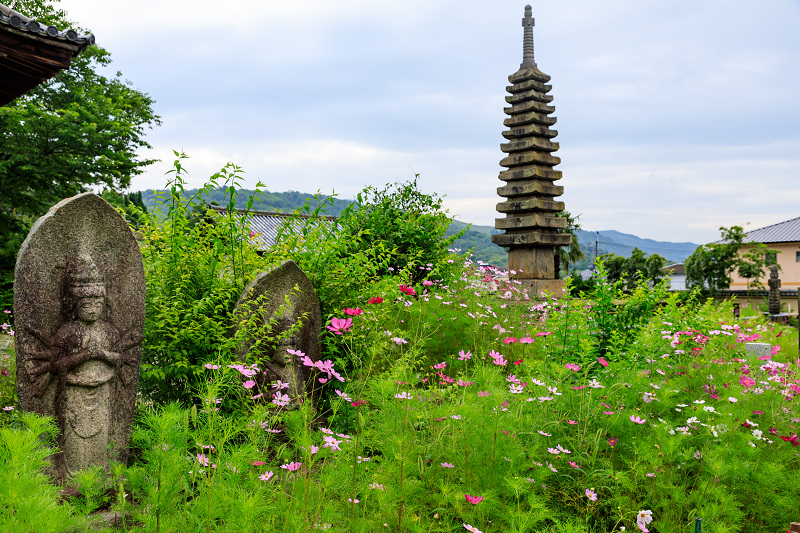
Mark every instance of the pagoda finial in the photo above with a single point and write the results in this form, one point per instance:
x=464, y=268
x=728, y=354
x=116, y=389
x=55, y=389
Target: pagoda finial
x=527, y=42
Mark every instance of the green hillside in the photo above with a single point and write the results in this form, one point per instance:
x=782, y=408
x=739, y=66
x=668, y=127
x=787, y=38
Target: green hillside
x=476, y=238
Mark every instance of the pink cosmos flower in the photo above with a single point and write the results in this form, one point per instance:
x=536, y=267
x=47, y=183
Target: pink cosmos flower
x=483, y=393
x=462, y=383
x=292, y=467
x=448, y=465
x=343, y=395
x=609, y=413
x=526, y=340
x=636, y=420
x=572, y=366
x=544, y=333
x=352, y=312
x=572, y=422
x=427, y=283
x=376, y=300
x=497, y=358
x=332, y=443
x=464, y=356
x=405, y=289
x=472, y=529
x=340, y=325
x=403, y=396
x=210, y=366
x=573, y=464
x=592, y=495
x=510, y=340
x=258, y=463
x=440, y=366
x=519, y=362
x=266, y=476
x=602, y=361
x=612, y=441
x=249, y=384
x=474, y=500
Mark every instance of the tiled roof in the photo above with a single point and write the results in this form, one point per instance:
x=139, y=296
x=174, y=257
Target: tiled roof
x=22, y=23
x=788, y=231
x=266, y=224
x=31, y=52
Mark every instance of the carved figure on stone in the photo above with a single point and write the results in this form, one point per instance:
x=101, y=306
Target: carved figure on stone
x=284, y=317
x=79, y=302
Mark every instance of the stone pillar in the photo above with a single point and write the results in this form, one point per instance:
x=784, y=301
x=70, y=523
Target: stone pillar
x=774, y=291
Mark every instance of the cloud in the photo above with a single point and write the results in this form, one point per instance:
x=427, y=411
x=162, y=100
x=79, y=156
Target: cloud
x=674, y=117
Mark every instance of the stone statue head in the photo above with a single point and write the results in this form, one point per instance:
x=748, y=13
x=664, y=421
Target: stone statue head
x=87, y=290
x=773, y=271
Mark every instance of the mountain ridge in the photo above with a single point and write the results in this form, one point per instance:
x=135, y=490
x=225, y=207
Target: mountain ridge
x=477, y=237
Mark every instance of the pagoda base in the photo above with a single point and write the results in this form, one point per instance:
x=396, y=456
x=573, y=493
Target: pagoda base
x=535, y=287
x=532, y=262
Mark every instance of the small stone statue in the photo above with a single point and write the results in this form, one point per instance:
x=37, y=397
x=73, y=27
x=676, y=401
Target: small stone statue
x=79, y=305
x=774, y=291
x=283, y=301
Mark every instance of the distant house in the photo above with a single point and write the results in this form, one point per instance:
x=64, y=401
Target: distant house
x=784, y=237
x=31, y=53
x=265, y=225
x=676, y=274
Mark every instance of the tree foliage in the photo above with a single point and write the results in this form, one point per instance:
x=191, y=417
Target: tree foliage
x=711, y=265
x=79, y=129
x=634, y=270
x=572, y=253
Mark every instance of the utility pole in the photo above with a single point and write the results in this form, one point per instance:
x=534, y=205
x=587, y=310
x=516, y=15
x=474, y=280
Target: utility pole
x=595, y=245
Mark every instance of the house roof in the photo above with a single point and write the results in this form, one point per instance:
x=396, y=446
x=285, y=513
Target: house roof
x=31, y=53
x=788, y=231
x=676, y=269
x=266, y=224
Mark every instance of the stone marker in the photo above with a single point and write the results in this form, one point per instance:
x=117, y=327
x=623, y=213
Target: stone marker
x=262, y=300
x=79, y=303
x=774, y=291
x=754, y=350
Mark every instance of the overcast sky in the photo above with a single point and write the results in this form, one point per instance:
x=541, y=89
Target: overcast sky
x=674, y=117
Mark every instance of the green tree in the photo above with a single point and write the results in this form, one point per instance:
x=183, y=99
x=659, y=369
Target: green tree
x=711, y=265
x=614, y=266
x=633, y=271
x=572, y=253
x=76, y=130
x=408, y=223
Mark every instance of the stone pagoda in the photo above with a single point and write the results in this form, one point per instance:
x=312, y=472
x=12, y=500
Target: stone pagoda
x=531, y=225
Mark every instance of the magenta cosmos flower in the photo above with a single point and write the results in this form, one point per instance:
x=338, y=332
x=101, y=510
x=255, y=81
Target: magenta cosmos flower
x=636, y=420
x=474, y=500
x=376, y=300
x=405, y=289
x=340, y=325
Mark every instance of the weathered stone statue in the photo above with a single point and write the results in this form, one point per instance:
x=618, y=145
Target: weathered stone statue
x=79, y=300
x=276, y=302
x=774, y=291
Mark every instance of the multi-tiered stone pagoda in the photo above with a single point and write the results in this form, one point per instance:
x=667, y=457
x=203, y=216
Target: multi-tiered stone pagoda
x=531, y=225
